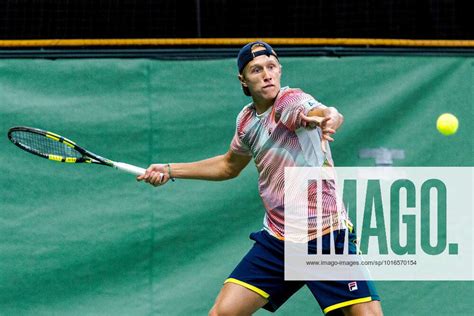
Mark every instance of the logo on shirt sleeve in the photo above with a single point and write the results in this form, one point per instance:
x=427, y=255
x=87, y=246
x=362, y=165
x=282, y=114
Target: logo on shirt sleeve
x=311, y=103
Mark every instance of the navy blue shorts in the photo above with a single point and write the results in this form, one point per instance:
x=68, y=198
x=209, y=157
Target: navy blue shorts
x=262, y=271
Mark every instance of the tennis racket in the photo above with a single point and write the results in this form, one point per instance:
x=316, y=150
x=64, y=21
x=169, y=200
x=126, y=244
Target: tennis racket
x=58, y=148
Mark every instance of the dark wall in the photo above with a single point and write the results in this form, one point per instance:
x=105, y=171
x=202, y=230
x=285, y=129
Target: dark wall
x=421, y=19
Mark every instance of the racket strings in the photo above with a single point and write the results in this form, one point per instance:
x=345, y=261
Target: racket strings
x=44, y=145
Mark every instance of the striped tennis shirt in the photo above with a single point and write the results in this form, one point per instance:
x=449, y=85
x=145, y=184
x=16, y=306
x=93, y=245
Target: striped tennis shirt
x=276, y=139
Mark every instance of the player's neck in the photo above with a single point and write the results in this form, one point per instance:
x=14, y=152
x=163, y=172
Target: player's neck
x=262, y=105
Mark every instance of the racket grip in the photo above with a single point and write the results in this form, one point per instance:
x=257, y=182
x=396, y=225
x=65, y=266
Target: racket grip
x=125, y=167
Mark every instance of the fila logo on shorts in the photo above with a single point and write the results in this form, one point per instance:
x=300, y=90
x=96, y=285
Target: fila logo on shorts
x=352, y=286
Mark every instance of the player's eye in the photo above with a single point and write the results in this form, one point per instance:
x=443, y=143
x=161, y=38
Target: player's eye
x=271, y=67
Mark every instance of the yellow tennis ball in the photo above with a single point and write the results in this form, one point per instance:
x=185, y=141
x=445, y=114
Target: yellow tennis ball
x=447, y=124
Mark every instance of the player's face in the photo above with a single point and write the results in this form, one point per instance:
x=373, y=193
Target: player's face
x=262, y=77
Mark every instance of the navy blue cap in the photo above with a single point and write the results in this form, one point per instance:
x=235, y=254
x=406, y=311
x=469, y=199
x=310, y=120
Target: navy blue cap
x=246, y=55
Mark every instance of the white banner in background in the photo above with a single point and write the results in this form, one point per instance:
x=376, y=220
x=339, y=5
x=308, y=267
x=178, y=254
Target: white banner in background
x=413, y=223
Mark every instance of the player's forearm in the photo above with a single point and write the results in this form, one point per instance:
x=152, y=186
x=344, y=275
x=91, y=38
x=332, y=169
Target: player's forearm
x=214, y=169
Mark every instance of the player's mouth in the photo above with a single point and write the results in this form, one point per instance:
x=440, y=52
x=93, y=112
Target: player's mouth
x=268, y=86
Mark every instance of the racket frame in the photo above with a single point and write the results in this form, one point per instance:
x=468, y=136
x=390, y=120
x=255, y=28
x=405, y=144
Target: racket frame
x=87, y=156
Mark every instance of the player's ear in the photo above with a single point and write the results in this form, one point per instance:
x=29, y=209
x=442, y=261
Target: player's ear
x=242, y=80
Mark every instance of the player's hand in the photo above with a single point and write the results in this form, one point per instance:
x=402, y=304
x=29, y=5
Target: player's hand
x=324, y=124
x=335, y=119
x=155, y=174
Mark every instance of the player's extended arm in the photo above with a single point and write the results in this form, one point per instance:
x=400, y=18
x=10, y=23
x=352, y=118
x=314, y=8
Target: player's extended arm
x=217, y=168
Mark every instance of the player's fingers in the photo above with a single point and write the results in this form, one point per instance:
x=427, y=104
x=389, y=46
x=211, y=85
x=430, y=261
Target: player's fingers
x=318, y=121
x=165, y=179
x=328, y=138
x=325, y=119
x=304, y=117
x=328, y=130
x=158, y=179
x=151, y=170
x=147, y=174
x=141, y=176
x=311, y=124
x=324, y=122
x=315, y=120
x=155, y=179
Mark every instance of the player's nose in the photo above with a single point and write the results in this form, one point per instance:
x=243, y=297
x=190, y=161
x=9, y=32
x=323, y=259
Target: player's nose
x=266, y=75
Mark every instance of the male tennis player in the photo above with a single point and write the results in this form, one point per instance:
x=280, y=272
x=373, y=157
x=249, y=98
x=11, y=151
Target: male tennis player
x=275, y=130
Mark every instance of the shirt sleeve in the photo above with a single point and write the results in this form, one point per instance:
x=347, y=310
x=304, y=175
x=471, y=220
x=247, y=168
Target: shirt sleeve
x=290, y=115
x=237, y=145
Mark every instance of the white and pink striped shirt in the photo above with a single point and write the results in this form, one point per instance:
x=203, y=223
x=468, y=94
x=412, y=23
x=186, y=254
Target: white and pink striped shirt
x=276, y=139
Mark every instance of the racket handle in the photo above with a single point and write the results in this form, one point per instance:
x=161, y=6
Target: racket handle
x=129, y=168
